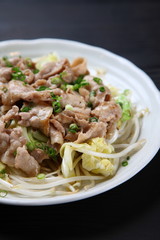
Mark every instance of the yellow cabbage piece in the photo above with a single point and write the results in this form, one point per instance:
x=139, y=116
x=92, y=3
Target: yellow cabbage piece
x=40, y=62
x=94, y=164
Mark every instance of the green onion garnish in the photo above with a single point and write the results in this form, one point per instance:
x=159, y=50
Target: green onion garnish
x=35, y=71
x=73, y=128
x=25, y=109
x=7, y=62
x=41, y=176
x=18, y=75
x=42, y=88
x=56, y=80
x=90, y=105
x=97, y=80
x=93, y=119
x=92, y=93
x=102, y=89
x=56, y=103
x=124, y=163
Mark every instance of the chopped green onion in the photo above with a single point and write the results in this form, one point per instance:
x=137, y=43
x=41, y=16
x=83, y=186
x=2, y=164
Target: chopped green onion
x=79, y=82
x=30, y=146
x=56, y=104
x=73, y=128
x=102, y=89
x=35, y=71
x=69, y=107
x=56, y=80
x=3, y=193
x=64, y=86
x=93, y=119
x=25, y=109
x=7, y=62
x=18, y=75
x=92, y=93
x=97, y=80
x=42, y=88
x=124, y=163
x=90, y=105
x=128, y=157
x=41, y=176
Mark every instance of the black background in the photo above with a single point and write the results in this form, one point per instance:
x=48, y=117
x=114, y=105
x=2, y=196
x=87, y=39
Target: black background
x=132, y=30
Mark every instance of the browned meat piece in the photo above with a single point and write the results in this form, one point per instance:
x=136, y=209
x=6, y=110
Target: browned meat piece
x=84, y=93
x=58, y=126
x=4, y=138
x=64, y=119
x=73, y=99
x=71, y=137
x=96, y=129
x=5, y=74
x=29, y=76
x=51, y=68
x=37, y=117
x=40, y=82
x=26, y=162
x=39, y=155
x=108, y=111
x=16, y=140
x=16, y=91
x=41, y=96
x=56, y=137
x=11, y=114
x=68, y=75
x=79, y=66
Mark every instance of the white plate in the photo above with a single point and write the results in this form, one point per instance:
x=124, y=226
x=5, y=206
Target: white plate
x=121, y=73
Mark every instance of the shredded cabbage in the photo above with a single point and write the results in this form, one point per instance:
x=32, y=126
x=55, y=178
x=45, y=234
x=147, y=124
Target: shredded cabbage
x=125, y=105
x=94, y=164
x=40, y=62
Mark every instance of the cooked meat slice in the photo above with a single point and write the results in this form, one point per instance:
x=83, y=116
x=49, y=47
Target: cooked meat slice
x=37, y=117
x=64, y=119
x=16, y=139
x=84, y=93
x=51, y=68
x=39, y=155
x=4, y=138
x=73, y=99
x=58, y=126
x=79, y=66
x=81, y=113
x=93, y=86
x=29, y=76
x=40, y=82
x=11, y=114
x=71, y=137
x=68, y=75
x=5, y=74
x=41, y=96
x=56, y=137
x=16, y=90
x=83, y=123
x=107, y=111
x=26, y=162
x=96, y=129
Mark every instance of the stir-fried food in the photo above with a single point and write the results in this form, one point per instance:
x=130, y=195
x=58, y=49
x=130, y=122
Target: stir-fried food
x=60, y=123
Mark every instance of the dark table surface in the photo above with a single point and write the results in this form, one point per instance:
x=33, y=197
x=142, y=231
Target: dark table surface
x=132, y=30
